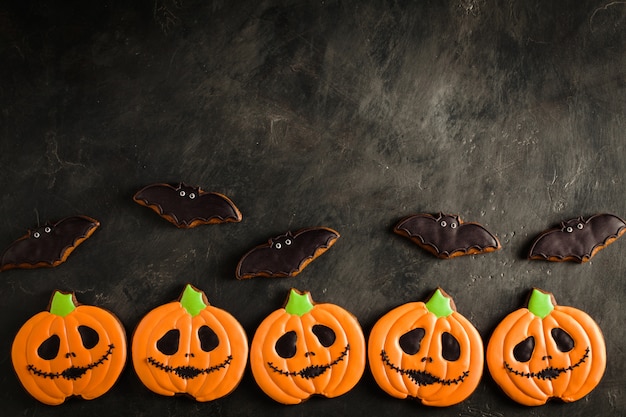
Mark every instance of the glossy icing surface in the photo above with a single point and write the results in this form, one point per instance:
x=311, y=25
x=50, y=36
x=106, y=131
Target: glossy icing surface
x=578, y=239
x=447, y=236
x=70, y=350
x=190, y=347
x=49, y=245
x=186, y=206
x=546, y=351
x=426, y=351
x=307, y=349
x=286, y=255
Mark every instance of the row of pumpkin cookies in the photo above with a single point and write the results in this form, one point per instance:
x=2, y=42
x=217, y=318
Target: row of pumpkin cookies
x=444, y=235
x=423, y=350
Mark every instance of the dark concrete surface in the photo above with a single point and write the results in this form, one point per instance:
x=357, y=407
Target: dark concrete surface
x=346, y=114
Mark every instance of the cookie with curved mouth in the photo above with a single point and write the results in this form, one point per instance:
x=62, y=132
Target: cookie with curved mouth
x=427, y=351
x=545, y=350
x=53, y=352
x=190, y=347
x=306, y=349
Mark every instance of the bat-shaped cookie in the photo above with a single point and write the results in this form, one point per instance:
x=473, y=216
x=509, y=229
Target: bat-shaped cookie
x=186, y=206
x=577, y=240
x=49, y=245
x=447, y=236
x=286, y=255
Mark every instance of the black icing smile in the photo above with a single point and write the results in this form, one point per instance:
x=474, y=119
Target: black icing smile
x=421, y=378
x=73, y=372
x=312, y=371
x=189, y=372
x=549, y=372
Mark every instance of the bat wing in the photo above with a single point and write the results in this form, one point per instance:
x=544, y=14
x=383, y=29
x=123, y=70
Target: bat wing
x=286, y=255
x=472, y=238
x=50, y=245
x=577, y=243
x=424, y=230
x=187, y=210
x=447, y=240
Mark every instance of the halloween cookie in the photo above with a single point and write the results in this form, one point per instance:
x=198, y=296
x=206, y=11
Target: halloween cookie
x=186, y=207
x=69, y=350
x=49, y=245
x=426, y=351
x=577, y=240
x=190, y=347
x=546, y=351
x=447, y=236
x=286, y=255
x=306, y=349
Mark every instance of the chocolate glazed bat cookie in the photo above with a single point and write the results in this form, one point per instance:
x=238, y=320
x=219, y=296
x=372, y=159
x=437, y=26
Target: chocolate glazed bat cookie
x=49, y=245
x=447, y=236
x=577, y=240
x=286, y=255
x=186, y=207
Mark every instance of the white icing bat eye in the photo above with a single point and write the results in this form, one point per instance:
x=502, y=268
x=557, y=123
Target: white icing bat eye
x=443, y=223
x=453, y=225
x=580, y=226
x=181, y=193
x=287, y=242
x=569, y=229
x=36, y=235
x=48, y=229
x=192, y=196
x=278, y=246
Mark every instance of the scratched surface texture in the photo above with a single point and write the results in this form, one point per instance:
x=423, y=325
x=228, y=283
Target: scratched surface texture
x=346, y=114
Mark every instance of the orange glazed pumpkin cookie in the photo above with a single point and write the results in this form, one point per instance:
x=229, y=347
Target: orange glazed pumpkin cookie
x=306, y=349
x=427, y=351
x=546, y=351
x=190, y=347
x=69, y=350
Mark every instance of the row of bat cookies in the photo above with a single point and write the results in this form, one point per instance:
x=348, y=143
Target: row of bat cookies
x=425, y=350
x=445, y=236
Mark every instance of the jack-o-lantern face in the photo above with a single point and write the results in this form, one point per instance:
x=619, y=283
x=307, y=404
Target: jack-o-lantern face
x=546, y=351
x=427, y=351
x=190, y=347
x=69, y=350
x=305, y=349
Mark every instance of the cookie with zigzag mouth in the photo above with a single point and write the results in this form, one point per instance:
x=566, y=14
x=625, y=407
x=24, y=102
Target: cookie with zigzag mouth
x=69, y=350
x=544, y=350
x=426, y=351
x=190, y=347
x=306, y=349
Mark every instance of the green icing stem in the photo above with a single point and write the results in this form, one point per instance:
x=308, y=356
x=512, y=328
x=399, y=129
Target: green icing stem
x=192, y=300
x=62, y=304
x=540, y=303
x=299, y=304
x=439, y=304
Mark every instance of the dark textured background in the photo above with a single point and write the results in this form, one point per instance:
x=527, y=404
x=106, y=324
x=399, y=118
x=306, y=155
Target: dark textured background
x=348, y=114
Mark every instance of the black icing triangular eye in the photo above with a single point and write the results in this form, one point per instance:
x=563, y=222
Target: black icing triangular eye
x=168, y=343
x=88, y=336
x=208, y=338
x=523, y=351
x=324, y=334
x=564, y=341
x=411, y=340
x=450, y=347
x=286, y=345
x=49, y=348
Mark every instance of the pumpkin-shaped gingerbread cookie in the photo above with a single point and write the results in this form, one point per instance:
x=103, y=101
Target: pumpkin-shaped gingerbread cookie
x=69, y=350
x=190, y=347
x=546, y=351
x=427, y=351
x=307, y=349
